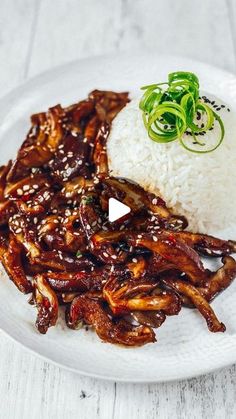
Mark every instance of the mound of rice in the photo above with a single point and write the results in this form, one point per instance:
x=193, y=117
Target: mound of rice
x=200, y=186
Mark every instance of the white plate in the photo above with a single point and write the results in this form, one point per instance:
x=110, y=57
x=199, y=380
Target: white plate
x=184, y=347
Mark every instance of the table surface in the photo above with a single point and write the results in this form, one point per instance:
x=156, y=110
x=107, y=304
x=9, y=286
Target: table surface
x=36, y=35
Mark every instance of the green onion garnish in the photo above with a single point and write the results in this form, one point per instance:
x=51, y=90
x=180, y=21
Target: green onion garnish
x=169, y=113
x=78, y=254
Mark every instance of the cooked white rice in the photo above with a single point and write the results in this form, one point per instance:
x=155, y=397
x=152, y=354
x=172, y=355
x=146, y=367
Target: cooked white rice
x=201, y=187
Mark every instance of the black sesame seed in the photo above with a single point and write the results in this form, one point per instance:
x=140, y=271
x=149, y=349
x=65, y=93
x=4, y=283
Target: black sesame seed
x=228, y=109
x=218, y=109
x=213, y=102
x=223, y=106
x=198, y=115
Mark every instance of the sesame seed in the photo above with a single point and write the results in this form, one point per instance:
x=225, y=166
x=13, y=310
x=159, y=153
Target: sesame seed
x=154, y=201
x=19, y=192
x=105, y=254
x=154, y=238
x=134, y=260
x=19, y=230
x=113, y=256
x=26, y=187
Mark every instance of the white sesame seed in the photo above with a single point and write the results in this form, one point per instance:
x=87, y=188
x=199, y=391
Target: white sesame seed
x=113, y=256
x=154, y=201
x=155, y=239
x=19, y=192
x=19, y=230
x=26, y=187
x=105, y=254
x=134, y=260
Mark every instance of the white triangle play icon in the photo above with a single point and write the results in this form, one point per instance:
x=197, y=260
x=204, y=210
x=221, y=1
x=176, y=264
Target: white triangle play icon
x=116, y=209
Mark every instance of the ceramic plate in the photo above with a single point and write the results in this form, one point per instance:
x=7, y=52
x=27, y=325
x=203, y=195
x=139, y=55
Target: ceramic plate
x=184, y=346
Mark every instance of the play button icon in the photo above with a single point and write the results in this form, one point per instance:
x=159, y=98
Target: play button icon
x=116, y=209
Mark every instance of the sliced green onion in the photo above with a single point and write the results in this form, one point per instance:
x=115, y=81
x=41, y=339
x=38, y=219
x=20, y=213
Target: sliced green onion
x=169, y=113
